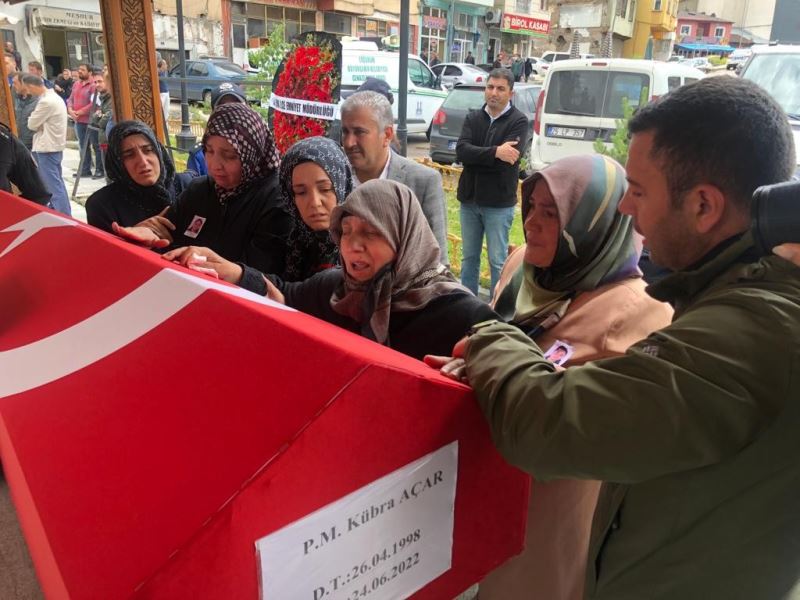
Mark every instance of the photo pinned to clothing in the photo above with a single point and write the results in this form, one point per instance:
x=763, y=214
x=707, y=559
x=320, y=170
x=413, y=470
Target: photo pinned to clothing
x=559, y=353
x=196, y=226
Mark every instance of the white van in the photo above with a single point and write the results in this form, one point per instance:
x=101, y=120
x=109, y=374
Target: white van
x=425, y=93
x=582, y=99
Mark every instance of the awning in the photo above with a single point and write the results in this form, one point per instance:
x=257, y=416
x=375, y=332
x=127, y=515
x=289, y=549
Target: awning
x=704, y=48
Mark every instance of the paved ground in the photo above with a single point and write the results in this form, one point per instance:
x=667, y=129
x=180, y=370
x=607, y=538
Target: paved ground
x=86, y=187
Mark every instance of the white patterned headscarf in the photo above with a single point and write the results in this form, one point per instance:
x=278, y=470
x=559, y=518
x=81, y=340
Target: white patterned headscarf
x=246, y=131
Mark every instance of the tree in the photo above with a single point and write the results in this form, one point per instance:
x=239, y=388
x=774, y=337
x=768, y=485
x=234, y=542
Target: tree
x=266, y=59
x=619, y=141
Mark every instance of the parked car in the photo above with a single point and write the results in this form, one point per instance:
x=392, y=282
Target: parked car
x=582, y=100
x=453, y=74
x=203, y=76
x=776, y=68
x=698, y=62
x=449, y=119
x=548, y=58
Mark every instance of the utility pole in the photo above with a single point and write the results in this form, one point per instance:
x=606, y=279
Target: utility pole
x=402, y=100
x=185, y=140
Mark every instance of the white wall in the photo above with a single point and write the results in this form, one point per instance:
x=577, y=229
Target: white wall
x=201, y=36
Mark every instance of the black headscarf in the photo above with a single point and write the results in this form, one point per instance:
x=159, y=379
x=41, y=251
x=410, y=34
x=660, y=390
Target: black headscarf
x=246, y=131
x=156, y=196
x=311, y=251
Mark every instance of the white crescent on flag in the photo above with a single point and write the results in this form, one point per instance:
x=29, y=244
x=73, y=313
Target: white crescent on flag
x=102, y=334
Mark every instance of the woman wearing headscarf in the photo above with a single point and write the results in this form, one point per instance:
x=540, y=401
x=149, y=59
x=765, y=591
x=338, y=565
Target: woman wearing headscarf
x=235, y=211
x=143, y=182
x=391, y=287
x=315, y=177
x=575, y=288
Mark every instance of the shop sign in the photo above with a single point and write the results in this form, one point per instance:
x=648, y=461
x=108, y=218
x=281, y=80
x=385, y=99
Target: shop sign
x=525, y=25
x=304, y=4
x=434, y=22
x=45, y=16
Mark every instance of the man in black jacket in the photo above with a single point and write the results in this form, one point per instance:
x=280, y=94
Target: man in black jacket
x=18, y=167
x=489, y=148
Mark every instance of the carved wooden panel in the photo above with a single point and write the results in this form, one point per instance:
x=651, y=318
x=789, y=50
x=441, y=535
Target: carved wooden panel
x=130, y=49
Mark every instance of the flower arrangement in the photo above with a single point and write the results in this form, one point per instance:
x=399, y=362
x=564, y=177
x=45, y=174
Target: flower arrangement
x=310, y=73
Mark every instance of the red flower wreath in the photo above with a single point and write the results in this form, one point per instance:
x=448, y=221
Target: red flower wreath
x=309, y=73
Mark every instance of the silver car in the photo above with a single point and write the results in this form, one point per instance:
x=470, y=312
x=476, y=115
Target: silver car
x=453, y=74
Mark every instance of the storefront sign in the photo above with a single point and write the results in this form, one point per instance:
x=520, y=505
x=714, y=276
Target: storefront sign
x=386, y=540
x=45, y=16
x=434, y=22
x=525, y=25
x=304, y=4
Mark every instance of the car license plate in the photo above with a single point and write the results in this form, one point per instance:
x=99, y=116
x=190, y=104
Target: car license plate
x=566, y=132
x=451, y=145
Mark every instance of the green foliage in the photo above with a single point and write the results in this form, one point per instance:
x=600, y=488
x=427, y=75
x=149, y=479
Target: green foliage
x=619, y=141
x=718, y=60
x=266, y=59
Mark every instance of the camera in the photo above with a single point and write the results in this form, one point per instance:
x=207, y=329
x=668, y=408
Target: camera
x=775, y=213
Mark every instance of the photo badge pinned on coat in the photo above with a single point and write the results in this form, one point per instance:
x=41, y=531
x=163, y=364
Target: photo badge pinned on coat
x=559, y=353
x=195, y=227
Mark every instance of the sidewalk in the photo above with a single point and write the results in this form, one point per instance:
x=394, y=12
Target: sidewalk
x=86, y=187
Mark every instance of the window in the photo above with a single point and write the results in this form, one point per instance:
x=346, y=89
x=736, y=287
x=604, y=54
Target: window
x=255, y=28
x=686, y=30
x=420, y=75
x=595, y=93
x=453, y=71
x=719, y=32
x=622, y=8
x=656, y=4
x=673, y=83
x=336, y=23
x=466, y=22
x=239, y=38
x=238, y=8
x=197, y=69
x=371, y=28
x=523, y=7
x=632, y=12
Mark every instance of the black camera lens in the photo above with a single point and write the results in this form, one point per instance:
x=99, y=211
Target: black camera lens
x=776, y=215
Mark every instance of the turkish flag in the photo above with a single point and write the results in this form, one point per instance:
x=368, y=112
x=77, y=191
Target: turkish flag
x=155, y=423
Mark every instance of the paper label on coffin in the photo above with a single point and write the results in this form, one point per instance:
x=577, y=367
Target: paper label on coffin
x=385, y=540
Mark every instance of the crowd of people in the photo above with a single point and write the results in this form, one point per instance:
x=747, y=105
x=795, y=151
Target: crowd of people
x=659, y=434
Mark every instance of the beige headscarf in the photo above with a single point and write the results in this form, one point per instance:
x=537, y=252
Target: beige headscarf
x=412, y=280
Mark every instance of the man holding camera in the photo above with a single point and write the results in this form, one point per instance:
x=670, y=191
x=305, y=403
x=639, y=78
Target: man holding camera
x=694, y=430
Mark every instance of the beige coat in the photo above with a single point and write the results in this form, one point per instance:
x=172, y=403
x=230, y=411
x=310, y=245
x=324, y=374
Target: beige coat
x=48, y=121
x=598, y=324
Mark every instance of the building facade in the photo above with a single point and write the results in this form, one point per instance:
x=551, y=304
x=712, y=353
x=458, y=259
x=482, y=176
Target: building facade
x=653, y=30
x=752, y=19
x=592, y=22
x=58, y=33
x=702, y=34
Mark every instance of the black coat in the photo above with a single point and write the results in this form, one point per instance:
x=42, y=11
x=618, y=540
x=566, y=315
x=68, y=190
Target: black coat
x=487, y=180
x=114, y=203
x=18, y=167
x=432, y=330
x=251, y=228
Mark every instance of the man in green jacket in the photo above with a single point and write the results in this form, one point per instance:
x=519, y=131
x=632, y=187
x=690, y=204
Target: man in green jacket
x=696, y=430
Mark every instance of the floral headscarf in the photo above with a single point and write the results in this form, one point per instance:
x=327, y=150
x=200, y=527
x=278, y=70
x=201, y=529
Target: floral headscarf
x=310, y=251
x=596, y=246
x=412, y=280
x=156, y=196
x=246, y=131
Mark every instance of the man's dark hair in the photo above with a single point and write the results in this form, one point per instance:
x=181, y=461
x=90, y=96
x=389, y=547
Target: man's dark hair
x=502, y=73
x=725, y=131
x=36, y=65
x=31, y=79
x=97, y=70
x=87, y=65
